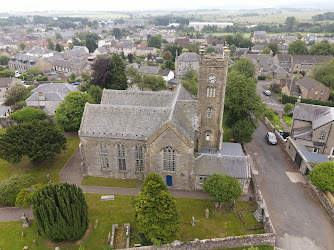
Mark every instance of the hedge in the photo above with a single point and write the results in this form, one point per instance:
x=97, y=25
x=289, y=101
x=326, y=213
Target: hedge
x=293, y=100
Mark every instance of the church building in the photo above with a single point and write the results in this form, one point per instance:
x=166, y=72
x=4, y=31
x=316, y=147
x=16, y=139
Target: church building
x=132, y=133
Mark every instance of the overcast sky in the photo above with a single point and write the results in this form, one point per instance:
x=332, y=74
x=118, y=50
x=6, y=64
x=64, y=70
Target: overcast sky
x=116, y=5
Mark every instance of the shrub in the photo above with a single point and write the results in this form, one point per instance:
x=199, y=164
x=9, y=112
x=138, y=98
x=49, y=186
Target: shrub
x=287, y=107
x=289, y=99
x=322, y=176
x=261, y=77
x=28, y=114
x=269, y=113
x=23, y=198
x=60, y=211
x=9, y=189
x=274, y=87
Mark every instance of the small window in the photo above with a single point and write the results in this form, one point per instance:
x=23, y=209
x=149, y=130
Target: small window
x=322, y=135
x=169, y=159
x=316, y=150
x=207, y=135
x=202, y=180
x=316, y=92
x=321, y=92
x=209, y=112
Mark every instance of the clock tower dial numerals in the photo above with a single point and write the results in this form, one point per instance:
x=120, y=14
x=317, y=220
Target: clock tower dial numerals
x=212, y=79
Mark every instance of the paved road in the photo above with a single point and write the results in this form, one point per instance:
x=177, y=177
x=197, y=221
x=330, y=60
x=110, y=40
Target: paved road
x=300, y=220
x=271, y=101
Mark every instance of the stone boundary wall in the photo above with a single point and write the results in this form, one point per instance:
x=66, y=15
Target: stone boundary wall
x=291, y=149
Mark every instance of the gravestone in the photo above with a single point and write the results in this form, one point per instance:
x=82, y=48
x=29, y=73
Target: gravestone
x=35, y=243
x=207, y=213
x=49, y=179
x=127, y=228
x=113, y=231
x=193, y=221
x=25, y=247
x=25, y=221
x=107, y=197
x=233, y=205
x=22, y=234
x=109, y=238
x=259, y=213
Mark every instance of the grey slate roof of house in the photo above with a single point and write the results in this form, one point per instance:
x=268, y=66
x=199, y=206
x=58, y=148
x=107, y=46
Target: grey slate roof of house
x=144, y=48
x=40, y=51
x=260, y=33
x=209, y=164
x=284, y=57
x=308, y=112
x=152, y=70
x=77, y=51
x=128, y=114
x=298, y=59
x=49, y=96
x=314, y=157
x=102, y=50
x=264, y=60
x=175, y=81
x=258, y=47
x=326, y=117
x=308, y=82
x=188, y=57
x=61, y=63
x=64, y=88
x=163, y=72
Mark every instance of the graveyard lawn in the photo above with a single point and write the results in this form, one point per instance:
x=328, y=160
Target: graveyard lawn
x=221, y=223
x=52, y=167
x=109, y=182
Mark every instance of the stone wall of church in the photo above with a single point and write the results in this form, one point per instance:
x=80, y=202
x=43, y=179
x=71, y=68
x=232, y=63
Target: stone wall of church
x=182, y=177
x=91, y=158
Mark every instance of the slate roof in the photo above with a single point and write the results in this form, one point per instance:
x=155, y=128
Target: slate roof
x=5, y=82
x=40, y=51
x=129, y=114
x=308, y=112
x=62, y=63
x=308, y=82
x=264, y=60
x=284, y=57
x=163, y=72
x=326, y=117
x=64, y=88
x=77, y=51
x=49, y=96
x=314, y=157
x=152, y=70
x=298, y=59
x=174, y=81
x=102, y=50
x=188, y=57
x=209, y=164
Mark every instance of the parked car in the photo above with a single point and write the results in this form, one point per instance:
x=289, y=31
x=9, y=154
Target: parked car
x=267, y=92
x=271, y=138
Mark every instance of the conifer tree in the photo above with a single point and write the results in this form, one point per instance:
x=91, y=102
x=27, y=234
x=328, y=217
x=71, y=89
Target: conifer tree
x=60, y=211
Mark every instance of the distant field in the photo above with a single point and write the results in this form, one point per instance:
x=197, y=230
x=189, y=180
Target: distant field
x=88, y=14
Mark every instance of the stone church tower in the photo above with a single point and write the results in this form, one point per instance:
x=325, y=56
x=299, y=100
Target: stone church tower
x=210, y=98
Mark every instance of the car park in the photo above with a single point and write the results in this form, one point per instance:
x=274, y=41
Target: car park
x=271, y=138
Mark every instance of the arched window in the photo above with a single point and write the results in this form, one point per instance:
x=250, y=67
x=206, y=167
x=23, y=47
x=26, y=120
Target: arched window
x=121, y=157
x=207, y=135
x=210, y=91
x=169, y=159
x=209, y=112
x=139, y=155
x=104, y=160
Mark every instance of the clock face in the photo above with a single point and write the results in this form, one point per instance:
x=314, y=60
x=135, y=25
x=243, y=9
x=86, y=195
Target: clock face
x=212, y=79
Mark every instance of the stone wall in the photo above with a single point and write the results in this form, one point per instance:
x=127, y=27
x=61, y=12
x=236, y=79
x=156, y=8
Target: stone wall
x=6, y=122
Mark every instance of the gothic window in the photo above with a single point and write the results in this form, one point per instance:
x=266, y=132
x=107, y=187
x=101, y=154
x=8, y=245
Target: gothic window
x=207, y=135
x=210, y=92
x=322, y=135
x=139, y=155
x=121, y=157
x=169, y=159
x=209, y=112
x=104, y=160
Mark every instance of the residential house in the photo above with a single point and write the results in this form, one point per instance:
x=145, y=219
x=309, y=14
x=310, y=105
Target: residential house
x=283, y=61
x=47, y=96
x=166, y=74
x=279, y=72
x=183, y=41
x=188, y=60
x=306, y=63
x=263, y=63
x=283, y=48
x=289, y=87
x=312, y=128
x=100, y=51
x=259, y=36
x=23, y=63
x=5, y=84
x=258, y=48
x=40, y=52
x=145, y=51
x=312, y=89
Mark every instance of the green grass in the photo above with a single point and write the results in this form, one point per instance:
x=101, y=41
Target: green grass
x=220, y=224
x=52, y=167
x=287, y=120
x=108, y=182
x=245, y=248
x=276, y=122
x=250, y=220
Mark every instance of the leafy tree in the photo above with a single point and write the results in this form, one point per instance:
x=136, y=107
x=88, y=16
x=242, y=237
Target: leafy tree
x=9, y=189
x=130, y=58
x=72, y=76
x=172, y=49
x=154, y=41
x=244, y=67
x=194, y=47
x=117, y=33
x=168, y=65
x=210, y=50
x=324, y=74
x=51, y=46
x=323, y=48
x=22, y=46
x=242, y=131
x=269, y=113
x=156, y=213
x=58, y=36
x=70, y=110
x=242, y=103
x=85, y=76
x=273, y=47
x=39, y=140
x=101, y=74
x=190, y=81
x=274, y=87
x=117, y=71
x=233, y=48
x=60, y=211
x=266, y=50
x=156, y=178
x=33, y=71
x=95, y=92
x=290, y=23
x=298, y=47
x=322, y=176
x=28, y=114
x=151, y=82
x=222, y=188
x=58, y=47
x=91, y=45
x=16, y=94
x=287, y=108
x=4, y=60
x=23, y=198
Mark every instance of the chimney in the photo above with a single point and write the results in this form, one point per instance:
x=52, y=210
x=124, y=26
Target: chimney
x=41, y=96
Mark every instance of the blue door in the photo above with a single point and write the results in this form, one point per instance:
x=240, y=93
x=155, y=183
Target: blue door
x=169, y=180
